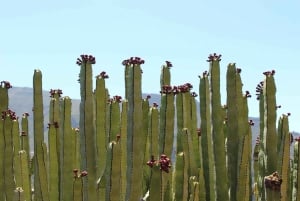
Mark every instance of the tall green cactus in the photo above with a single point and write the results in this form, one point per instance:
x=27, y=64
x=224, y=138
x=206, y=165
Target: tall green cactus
x=4, y=86
x=87, y=127
x=206, y=138
x=296, y=172
x=8, y=173
x=235, y=126
x=217, y=129
x=67, y=149
x=24, y=173
x=270, y=136
x=284, y=137
x=115, y=144
x=135, y=140
x=40, y=173
x=53, y=146
x=101, y=98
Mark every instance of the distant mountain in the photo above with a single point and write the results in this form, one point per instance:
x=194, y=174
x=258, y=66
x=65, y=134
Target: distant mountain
x=21, y=101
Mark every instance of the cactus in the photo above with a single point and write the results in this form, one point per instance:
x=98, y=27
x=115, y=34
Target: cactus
x=24, y=174
x=126, y=152
x=67, y=149
x=206, y=141
x=9, y=183
x=296, y=173
x=4, y=86
x=123, y=141
x=135, y=140
x=87, y=128
x=40, y=173
x=235, y=125
x=101, y=99
x=53, y=145
x=284, y=156
x=217, y=128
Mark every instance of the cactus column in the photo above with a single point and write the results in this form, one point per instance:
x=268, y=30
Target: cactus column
x=40, y=173
x=87, y=130
x=217, y=128
x=206, y=138
x=135, y=138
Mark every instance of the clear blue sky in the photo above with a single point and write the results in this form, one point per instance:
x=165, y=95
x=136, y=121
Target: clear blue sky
x=257, y=35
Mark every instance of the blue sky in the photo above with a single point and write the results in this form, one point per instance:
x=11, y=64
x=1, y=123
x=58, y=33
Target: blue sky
x=257, y=35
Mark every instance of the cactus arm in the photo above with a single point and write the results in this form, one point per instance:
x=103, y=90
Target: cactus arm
x=25, y=135
x=135, y=139
x=123, y=142
x=53, y=170
x=16, y=148
x=2, y=154
x=284, y=156
x=101, y=138
x=8, y=160
x=234, y=129
x=24, y=170
x=4, y=86
x=296, y=178
x=115, y=172
x=77, y=189
x=68, y=151
x=270, y=136
x=155, y=190
x=87, y=127
x=40, y=173
x=206, y=138
x=165, y=76
x=217, y=131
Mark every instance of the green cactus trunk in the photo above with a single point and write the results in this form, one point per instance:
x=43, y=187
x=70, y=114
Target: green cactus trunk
x=87, y=131
x=296, y=172
x=270, y=136
x=136, y=140
x=40, y=173
x=68, y=150
x=235, y=126
x=284, y=156
x=206, y=139
x=101, y=99
x=217, y=132
x=24, y=173
x=9, y=182
x=4, y=96
x=2, y=154
x=53, y=153
x=123, y=141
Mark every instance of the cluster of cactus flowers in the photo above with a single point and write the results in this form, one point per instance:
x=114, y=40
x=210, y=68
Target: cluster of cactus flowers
x=273, y=181
x=167, y=89
x=78, y=174
x=133, y=61
x=9, y=113
x=5, y=84
x=148, y=132
x=164, y=162
x=84, y=58
x=55, y=91
x=103, y=75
